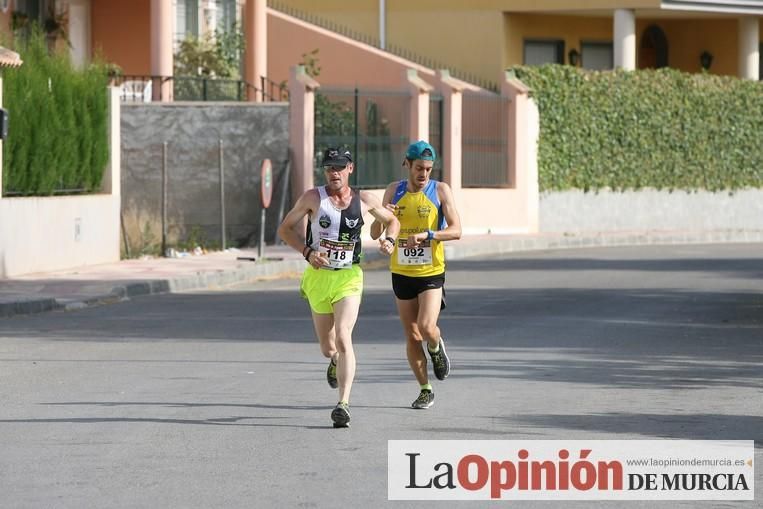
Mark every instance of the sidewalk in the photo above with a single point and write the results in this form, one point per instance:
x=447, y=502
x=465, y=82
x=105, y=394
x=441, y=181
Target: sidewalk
x=108, y=283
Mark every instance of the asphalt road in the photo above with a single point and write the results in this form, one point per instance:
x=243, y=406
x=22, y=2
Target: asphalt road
x=219, y=399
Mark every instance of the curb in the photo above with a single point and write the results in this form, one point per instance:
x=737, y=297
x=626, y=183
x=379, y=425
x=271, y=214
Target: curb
x=27, y=307
x=123, y=292
x=584, y=240
x=494, y=246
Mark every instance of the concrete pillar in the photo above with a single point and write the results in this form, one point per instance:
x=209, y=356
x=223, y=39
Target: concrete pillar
x=523, y=132
x=418, y=113
x=79, y=32
x=625, y=39
x=256, y=51
x=1, y=141
x=301, y=129
x=451, y=90
x=112, y=182
x=749, y=59
x=162, y=23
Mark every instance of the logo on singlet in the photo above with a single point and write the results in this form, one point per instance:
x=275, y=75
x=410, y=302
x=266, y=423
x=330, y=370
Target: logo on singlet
x=351, y=223
x=423, y=211
x=324, y=221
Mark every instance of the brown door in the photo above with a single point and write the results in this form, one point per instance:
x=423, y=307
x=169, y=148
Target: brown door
x=653, y=50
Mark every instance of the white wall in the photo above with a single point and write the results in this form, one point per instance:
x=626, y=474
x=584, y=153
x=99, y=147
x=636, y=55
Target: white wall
x=578, y=211
x=43, y=234
x=54, y=233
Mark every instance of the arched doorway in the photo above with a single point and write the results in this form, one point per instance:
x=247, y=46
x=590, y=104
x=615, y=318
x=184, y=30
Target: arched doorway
x=653, y=50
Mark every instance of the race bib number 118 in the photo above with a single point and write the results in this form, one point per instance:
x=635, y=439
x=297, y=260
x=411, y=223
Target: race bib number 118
x=339, y=253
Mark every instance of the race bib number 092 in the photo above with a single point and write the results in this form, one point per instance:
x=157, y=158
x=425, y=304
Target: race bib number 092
x=421, y=255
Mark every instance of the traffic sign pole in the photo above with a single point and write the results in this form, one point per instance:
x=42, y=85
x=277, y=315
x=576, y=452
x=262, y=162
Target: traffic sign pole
x=266, y=193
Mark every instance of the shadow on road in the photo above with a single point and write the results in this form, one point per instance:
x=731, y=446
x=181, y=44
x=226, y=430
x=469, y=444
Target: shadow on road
x=644, y=337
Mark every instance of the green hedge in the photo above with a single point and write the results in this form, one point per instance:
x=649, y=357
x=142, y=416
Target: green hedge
x=661, y=129
x=58, y=129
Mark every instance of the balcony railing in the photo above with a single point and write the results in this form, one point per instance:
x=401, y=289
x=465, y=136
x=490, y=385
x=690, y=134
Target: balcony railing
x=196, y=88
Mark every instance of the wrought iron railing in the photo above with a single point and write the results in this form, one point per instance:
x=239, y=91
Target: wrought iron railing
x=196, y=88
x=274, y=92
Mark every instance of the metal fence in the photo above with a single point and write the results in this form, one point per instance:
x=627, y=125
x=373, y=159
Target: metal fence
x=372, y=124
x=195, y=88
x=217, y=207
x=484, y=133
x=191, y=175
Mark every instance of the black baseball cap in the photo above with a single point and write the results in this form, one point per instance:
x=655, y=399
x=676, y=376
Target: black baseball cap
x=336, y=157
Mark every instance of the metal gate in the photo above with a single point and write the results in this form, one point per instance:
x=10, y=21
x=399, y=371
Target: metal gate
x=484, y=133
x=372, y=124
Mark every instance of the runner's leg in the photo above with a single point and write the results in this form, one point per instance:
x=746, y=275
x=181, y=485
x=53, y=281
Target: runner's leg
x=324, y=329
x=408, y=310
x=345, y=316
x=428, y=313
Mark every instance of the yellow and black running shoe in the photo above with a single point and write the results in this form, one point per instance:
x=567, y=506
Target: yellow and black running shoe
x=341, y=415
x=425, y=400
x=440, y=361
x=331, y=375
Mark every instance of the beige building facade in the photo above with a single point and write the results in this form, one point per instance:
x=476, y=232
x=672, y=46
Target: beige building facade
x=476, y=40
x=485, y=37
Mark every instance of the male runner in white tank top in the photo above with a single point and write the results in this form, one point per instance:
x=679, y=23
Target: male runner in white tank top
x=333, y=281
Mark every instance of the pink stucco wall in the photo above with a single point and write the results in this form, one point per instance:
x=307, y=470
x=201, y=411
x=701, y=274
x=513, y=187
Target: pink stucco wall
x=344, y=62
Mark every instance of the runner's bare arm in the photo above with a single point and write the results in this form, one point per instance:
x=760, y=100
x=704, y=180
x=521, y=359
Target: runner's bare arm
x=453, y=230
x=306, y=204
x=376, y=227
x=450, y=232
x=384, y=217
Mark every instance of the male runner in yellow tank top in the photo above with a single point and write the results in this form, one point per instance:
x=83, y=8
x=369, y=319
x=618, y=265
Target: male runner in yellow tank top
x=428, y=217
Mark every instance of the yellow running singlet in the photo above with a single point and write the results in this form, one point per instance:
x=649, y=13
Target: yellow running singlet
x=418, y=212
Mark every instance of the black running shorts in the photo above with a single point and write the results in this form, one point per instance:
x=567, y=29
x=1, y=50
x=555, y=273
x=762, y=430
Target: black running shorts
x=407, y=287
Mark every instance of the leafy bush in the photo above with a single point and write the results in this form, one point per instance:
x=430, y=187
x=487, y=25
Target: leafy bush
x=58, y=129
x=208, y=68
x=662, y=129
x=211, y=55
